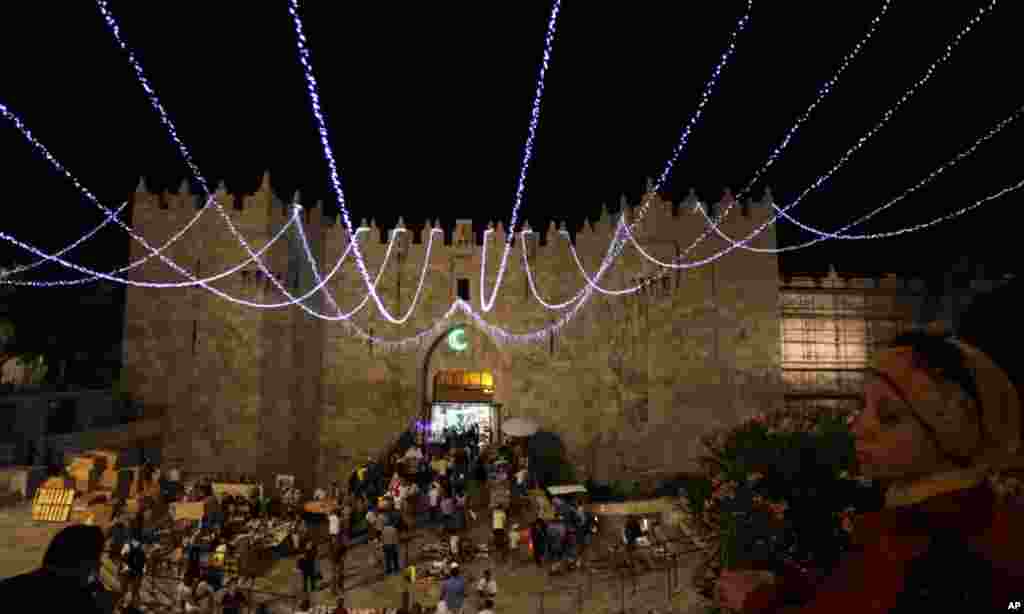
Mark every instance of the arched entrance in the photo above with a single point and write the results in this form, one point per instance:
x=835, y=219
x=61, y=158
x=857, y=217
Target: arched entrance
x=462, y=381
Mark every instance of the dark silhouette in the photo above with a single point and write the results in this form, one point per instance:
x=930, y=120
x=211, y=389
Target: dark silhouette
x=68, y=578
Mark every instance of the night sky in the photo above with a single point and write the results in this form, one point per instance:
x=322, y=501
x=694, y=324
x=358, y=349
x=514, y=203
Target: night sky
x=428, y=106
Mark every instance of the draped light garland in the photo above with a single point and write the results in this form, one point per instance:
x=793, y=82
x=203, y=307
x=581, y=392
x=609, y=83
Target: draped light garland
x=822, y=93
x=487, y=303
x=615, y=247
x=743, y=244
x=622, y=235
x=886, y=116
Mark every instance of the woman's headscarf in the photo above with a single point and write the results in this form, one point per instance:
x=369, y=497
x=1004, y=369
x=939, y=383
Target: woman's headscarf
x=984, y=427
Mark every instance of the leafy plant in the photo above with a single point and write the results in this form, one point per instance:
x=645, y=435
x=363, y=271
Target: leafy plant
x=777, y=490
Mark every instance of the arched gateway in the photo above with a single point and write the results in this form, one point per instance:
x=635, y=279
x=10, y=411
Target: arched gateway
x=462, y=381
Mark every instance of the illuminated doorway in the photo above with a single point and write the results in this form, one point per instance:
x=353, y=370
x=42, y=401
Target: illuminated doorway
x=463, y=399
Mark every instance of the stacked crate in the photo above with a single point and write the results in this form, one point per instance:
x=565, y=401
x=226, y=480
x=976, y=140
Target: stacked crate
x=85, y=470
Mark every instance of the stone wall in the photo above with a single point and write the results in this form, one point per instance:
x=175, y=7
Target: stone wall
x=629, y=383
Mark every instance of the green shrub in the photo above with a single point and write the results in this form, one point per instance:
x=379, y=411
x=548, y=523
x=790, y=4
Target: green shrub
x=777, y=490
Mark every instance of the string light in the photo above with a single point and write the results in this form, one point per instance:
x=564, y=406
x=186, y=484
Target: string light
x=487, y=303
x=928, y=74
x=823, y=93
x=381, y=343
x=615, y=247
x=186, y=155
x=112, y=216
x=458, y=305
x=312, y=90
x=623, y=230
x=822, y=179
x=824, y=236
x=28, y=267
x=115, y=29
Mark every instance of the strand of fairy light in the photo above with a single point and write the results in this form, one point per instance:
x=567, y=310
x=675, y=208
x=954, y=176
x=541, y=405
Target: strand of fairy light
x=96, y=275
x=186, y=155
x=619, y=240
x=822, y=94
x=885, y=118
x=312, y=89
x=112, y=216
x=22, y=268
x=487, y=303
x=928, y=74
x=824, y=236
x=384, y=344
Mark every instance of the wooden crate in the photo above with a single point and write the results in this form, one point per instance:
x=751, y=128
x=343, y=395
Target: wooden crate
x=52, y=504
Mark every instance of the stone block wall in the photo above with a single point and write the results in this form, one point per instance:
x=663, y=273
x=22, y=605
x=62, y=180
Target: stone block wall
x=629, y=383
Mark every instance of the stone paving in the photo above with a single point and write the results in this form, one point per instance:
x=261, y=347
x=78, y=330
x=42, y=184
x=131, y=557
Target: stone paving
x=520, y=582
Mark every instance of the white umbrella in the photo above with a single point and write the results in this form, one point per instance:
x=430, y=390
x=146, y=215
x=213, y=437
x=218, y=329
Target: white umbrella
x=519, y=427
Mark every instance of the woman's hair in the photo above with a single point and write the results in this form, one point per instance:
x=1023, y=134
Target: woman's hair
x=74, y=546
x=305, y=605
x=935, y=353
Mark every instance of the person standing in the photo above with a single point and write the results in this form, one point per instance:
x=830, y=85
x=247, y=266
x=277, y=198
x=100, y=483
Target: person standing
x=453, y=591
x=539, y=539
x=135, y=565
x=203, y=596
x=339, y=552
x=500, y=534
x=448, y=510
x=307, y=570
x=233, y=601
x=435, y=501
x=389, y=538
x=488, y=607
x=486, y=588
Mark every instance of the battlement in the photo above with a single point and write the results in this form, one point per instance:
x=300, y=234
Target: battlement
x=666, y=227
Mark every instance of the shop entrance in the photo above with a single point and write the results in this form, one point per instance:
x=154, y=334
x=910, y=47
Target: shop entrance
x=462, y=400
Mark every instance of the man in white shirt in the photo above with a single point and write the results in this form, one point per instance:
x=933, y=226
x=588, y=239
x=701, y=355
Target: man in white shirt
x=334, y=525
x=435, y=501
x=487, y=588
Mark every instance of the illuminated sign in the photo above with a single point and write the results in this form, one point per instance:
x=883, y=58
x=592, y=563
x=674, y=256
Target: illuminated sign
x=457, y=340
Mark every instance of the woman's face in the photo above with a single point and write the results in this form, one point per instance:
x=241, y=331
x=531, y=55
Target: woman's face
x=891, y=443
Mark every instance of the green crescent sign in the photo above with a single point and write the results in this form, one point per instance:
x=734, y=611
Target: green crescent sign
x=457, y=340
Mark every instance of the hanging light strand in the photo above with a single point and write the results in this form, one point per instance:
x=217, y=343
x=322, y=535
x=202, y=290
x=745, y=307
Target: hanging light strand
x=486, y=303
x=886, y=116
